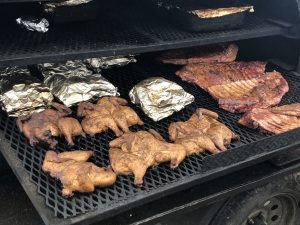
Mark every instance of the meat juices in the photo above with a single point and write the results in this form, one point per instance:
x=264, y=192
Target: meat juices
x=237, y=86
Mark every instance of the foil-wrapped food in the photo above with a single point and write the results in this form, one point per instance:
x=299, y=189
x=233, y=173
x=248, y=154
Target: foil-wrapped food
x=97, y=64
x=51, y=6
x=159, y=97
x=22, y=94
x=72, y=82
x=34, y=24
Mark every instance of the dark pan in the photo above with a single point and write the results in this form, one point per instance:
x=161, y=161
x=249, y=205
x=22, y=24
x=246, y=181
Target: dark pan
x=191, y=22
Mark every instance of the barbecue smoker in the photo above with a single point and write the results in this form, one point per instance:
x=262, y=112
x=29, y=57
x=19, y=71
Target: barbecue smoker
x=255, y=182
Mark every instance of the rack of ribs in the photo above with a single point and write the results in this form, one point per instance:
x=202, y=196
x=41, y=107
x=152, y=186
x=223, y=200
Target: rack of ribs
x=237, y=86
x=273, y=120
x=202, y=54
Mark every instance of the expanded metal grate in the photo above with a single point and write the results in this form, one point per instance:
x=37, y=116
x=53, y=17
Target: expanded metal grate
x=157, y=180
x=118, y=35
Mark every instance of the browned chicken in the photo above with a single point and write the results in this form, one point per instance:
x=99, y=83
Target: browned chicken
x=202, y=132
x=39, y=130
x=197, y=144
x=109, y=113
x=84, y=109
x=43, y=126
x=100, y=121
x=75, y=173
x=50, y=123
x=123, y=115
x=134, y=152
x=70, y=127
x=111, y=103
x=128, y=164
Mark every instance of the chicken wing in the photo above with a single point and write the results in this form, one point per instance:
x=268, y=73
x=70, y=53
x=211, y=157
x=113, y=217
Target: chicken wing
x=75, y=173
x=202, y=132
x=135, y=151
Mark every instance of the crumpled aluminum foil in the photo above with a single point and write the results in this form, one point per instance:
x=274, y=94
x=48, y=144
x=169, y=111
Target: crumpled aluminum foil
x=34, y=24
x=159, y=97
x=72, y=82
x=97, y=64
x=51, y=6
x=67, y=69
x=21, y=94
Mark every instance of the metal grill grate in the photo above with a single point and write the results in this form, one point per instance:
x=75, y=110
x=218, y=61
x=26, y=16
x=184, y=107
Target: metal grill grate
x=157, y=180
x=107, y=35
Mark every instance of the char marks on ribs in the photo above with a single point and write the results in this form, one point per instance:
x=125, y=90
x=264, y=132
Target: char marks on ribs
x=273, y=120
x=202, y=54
x=237, y=86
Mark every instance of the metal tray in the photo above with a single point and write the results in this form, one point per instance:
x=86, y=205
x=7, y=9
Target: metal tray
x=186, y=20
x=45, y=192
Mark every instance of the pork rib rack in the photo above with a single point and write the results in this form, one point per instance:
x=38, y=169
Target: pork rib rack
x=273, y=120
x=202, y=54
x=237, y=86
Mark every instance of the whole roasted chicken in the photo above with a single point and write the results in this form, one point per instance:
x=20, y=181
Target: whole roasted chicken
x=134, y=152
x=202, y=132
x=75, y=173
x=109, y=113
x=52, y=122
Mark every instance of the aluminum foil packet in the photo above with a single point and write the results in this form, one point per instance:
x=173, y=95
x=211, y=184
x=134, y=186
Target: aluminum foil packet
x=72, y=82
x=97, y=64
x=159, y=97
x=34, y=24
x=22, y=94
x=51, y=6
